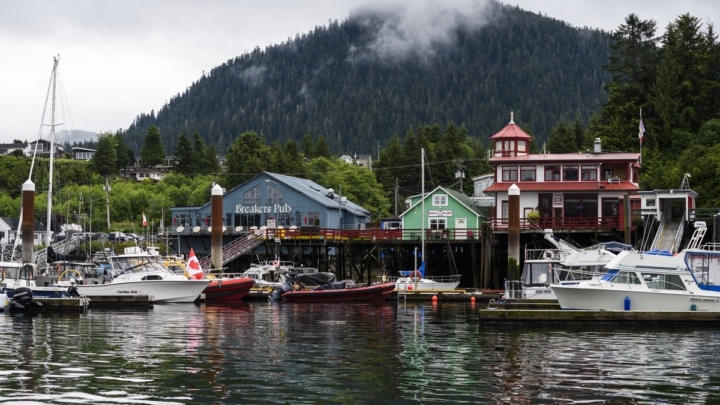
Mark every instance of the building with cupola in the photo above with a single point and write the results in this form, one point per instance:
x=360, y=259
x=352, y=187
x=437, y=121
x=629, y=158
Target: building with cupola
x=577, y=192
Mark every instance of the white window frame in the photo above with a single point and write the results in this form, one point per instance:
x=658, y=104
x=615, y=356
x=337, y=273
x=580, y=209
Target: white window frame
x=440, y=200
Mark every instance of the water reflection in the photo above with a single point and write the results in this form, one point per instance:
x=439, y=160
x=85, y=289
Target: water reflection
x=391, y=353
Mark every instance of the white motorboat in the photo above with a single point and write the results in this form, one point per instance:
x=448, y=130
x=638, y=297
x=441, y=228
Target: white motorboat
x=14, y=275
x=565, y=264
x=651, y=281
x=417, y=281
x=137, y=272
x=268, y=274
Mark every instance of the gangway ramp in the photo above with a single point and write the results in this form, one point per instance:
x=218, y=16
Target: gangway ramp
x=235, y=249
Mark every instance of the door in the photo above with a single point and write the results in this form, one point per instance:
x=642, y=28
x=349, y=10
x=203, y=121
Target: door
x=460, y=228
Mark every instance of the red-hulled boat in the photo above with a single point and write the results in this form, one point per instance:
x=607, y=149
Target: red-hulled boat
x=367, y=293
x=228, y=289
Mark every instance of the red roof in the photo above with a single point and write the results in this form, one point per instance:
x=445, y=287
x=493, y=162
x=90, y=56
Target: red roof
x=511, y=131
x=565, y=186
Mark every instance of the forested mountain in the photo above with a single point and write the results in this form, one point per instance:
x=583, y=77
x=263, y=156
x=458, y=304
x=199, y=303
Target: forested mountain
x=361, y=81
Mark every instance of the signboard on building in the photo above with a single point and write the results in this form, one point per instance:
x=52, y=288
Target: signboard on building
x=557, y=200
x=440, y=213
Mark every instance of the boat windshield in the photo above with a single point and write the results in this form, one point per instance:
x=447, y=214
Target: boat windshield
x=537, y=274
x=136, y=264
x=623, y=277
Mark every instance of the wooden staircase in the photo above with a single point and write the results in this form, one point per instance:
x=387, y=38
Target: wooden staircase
x=235, y=249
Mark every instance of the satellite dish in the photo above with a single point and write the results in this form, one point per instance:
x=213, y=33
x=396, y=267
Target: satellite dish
x=224, y=228
x=238, y=228
x=180, y=229
x=196, y=229
x=209, y=228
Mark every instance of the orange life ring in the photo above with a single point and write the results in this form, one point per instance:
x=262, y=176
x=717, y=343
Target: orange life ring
x=275, y=263
x=415, y=275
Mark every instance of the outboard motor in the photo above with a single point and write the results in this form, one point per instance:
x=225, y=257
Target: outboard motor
x=23, y=299
x=73, y=291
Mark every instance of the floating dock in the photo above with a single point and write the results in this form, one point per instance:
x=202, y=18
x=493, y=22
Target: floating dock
x=495, y=316
x=122, y=301
x=54, y=305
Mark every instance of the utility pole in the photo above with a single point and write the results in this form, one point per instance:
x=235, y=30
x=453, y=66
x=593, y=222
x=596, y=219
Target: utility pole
x=107, y=201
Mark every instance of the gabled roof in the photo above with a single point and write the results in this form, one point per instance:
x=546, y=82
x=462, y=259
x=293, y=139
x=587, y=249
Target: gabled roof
x=511, y=131
x=316, y=192
x=461, y=198
x=307, y=187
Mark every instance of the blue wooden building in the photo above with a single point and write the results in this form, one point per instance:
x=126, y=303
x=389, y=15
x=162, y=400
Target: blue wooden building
x=274, y=201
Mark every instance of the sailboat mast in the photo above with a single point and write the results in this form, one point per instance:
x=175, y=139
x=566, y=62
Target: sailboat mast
x=422, y=198
x=56, y=60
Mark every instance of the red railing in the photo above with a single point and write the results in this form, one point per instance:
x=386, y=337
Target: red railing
x=580, y=223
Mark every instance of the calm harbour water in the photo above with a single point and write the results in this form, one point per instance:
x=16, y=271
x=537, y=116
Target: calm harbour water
x=382, y=353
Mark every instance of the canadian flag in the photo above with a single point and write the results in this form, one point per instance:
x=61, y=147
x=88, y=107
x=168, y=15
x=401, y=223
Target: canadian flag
x=193, y=266
x=144, y=220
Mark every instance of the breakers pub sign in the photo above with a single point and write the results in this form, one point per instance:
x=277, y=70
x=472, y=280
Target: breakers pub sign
x=263, y=209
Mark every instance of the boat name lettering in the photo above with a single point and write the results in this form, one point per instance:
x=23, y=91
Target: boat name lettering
x=703, y=299
x=263, y=209
x=127, y=292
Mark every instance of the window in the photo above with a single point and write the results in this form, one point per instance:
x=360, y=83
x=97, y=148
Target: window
x=247, y=220
x=527, y=173
x=522, y=146
x=504, y=210
x=663, y=281
x=438, y=223
x=183, y=220
x=252, y=196
x=284, y=219
x=274, y=195
x=552, y=173
x=509, y=173
x=626, y=277
x=440, y=200
x=589, y=173
x=570, y=173
x=650, y=202
x=313, y=219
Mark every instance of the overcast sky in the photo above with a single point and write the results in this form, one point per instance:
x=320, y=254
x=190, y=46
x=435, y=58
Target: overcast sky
x=119, y=59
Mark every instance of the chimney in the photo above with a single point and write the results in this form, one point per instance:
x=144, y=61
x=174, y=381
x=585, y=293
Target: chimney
x=598, y=146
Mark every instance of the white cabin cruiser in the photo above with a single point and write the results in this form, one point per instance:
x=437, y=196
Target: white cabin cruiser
x=137, y=272
x=651, y=281
x=565, y=264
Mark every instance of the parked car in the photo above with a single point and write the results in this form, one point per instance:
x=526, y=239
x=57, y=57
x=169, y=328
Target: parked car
x=135, y=236
x=119, y=237
x=99, y=236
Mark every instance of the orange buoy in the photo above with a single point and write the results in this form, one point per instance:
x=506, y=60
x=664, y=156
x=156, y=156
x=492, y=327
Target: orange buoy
x=434, y=298
x=472, y=299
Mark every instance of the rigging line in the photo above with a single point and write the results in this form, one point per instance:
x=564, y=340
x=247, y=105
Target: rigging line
x=42, y=120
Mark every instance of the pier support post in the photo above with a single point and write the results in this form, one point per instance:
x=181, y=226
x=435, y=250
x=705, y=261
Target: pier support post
x=513, y=231
x=216, y=213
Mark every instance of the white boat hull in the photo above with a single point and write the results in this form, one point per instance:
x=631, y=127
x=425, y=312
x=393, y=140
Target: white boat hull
x=424, y=284
x=613, y=299
x=162, y=291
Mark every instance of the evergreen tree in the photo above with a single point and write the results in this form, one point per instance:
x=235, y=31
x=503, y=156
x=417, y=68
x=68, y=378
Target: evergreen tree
x=184, y=157
x=104, y=162
x=152, y=152
x=247, y=157
x=562, y=139
x=125, y=157
x=321, y=149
